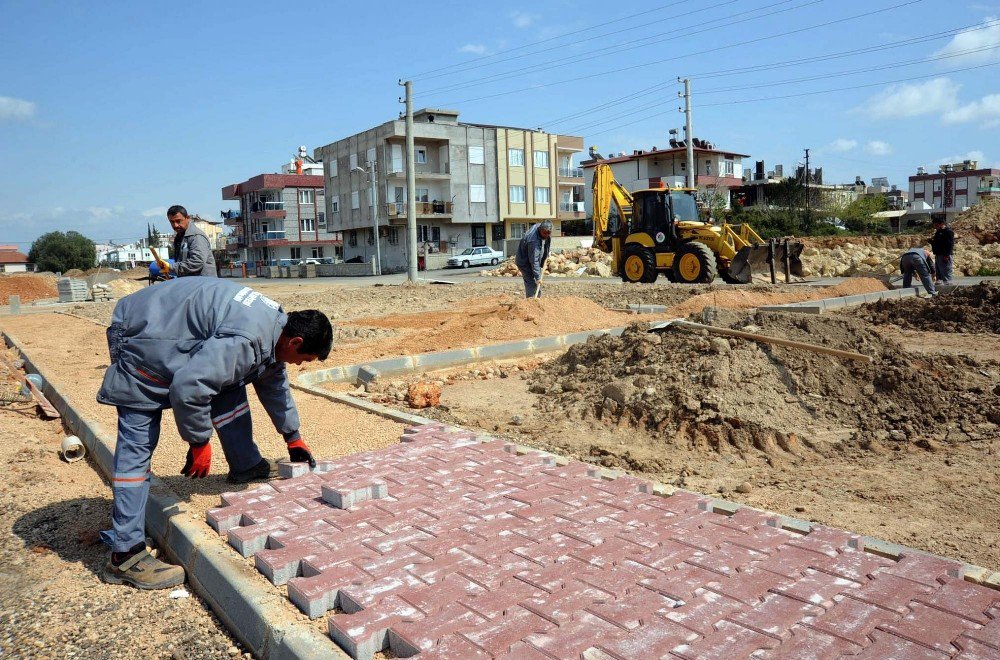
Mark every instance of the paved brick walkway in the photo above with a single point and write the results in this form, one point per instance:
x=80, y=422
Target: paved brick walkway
x=457, y=549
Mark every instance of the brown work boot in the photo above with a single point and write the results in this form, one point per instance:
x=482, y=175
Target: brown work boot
x=144, y=571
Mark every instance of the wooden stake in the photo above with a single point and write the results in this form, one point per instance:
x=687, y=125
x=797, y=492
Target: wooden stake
x=726, y=332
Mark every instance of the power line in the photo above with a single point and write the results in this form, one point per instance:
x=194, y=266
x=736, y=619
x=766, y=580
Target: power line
x=672, y=17
x=425, y=75
x=801, y=94
x=776, y=65
x=615, y=49
x=619, y=70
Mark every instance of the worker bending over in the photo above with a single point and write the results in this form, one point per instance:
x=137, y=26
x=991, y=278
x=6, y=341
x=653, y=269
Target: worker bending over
x=919, y=260
x=193, y=345
x=532, y=252
x=192, y=249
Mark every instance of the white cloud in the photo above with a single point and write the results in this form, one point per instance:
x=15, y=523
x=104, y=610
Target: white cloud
x=475, y=49
x=841, y=145
x=911, y=100
x=155, y=212
x=16, y=109
x=985, y=40
x=986, y=110
x=878, y=148
x=523, y=19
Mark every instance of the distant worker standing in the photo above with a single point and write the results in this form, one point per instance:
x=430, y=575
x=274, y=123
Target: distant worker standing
x=943, y=247
x=192, y=249
x=532, y=252
x=919, y=260
x=193, y=345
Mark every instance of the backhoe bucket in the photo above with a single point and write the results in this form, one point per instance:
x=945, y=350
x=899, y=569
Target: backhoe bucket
x=755, y=258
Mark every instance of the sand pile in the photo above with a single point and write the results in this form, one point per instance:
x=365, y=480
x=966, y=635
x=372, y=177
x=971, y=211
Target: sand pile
x=28, y=286
x=122, y=287
x=725, y=395
x=980, y=224
x=966, y=309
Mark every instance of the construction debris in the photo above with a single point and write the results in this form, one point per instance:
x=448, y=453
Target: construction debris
x=965, y=310
x=423, y=394
x=860, y=260
x=980, y=224
x=583, y=262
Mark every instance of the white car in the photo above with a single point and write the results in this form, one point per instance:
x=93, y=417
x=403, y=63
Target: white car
x=475, y=256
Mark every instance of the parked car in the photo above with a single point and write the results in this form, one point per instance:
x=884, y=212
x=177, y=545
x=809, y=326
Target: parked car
x=475, y=256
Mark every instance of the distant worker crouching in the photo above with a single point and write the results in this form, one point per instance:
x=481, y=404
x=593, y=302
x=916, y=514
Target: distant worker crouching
x=192, y=249
x=532, y=252
x=919, y=260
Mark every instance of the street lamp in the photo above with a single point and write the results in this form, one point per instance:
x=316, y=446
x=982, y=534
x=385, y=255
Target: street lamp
x=374, y=198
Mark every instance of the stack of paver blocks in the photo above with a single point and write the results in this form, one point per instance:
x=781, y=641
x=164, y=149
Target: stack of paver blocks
x=453, y=548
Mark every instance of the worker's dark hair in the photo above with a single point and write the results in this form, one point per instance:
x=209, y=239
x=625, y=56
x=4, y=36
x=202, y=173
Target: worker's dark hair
x=314, y=329
x=177, y=208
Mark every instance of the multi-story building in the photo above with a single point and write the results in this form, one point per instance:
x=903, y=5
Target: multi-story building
x=467, y=189
x=281, y=218
x=952, y=189
x=716, y=171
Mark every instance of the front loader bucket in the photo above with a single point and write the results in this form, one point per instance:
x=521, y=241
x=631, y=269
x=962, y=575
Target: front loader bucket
x=756, y=258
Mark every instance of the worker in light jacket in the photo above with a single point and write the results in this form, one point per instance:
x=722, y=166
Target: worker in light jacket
x=917, y=260
x=193, y=345
x=192, y=249
x=532, y=252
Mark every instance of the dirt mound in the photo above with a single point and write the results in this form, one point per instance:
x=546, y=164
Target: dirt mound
x=966, y=309
x=28, y=287
x=761, y=296
x=730, y=395
x=981, y=222
x=122, y=287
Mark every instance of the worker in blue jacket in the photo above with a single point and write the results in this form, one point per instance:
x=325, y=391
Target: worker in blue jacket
x=918, y=260
x=193, y=345
x=532, y=253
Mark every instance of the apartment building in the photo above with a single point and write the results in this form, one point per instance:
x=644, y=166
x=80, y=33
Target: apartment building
x=281, y=218
x=476, y=185
x=952, y=189
x=715, y=169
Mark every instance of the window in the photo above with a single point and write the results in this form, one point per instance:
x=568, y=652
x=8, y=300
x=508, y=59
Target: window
x=477, y=156
x=321, y=220
x=542, y=159
x=517, y=194
x=355, y=202
x=352, y=238
x=370, y=156
x=308, y=225
x=937, y=185
x=515, y=157
x=517, y=229
x=420, y=155
x=708, y=167
x=296, y=253
x=332, y=167
x=353, y=161
x=334, y=206
x=307, y=196
x=542, y=195
x=423, y=194
x=428, y=234
x=393, y=236
x=477, y=193
x=317, y=252
x=730, y=167
x=371, y=236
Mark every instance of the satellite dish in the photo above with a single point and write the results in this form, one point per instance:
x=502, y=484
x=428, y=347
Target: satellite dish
x=303, y=151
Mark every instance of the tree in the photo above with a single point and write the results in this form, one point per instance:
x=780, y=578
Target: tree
x=59, y=252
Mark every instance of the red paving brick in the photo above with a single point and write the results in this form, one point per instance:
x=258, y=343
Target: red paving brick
x=452, y=548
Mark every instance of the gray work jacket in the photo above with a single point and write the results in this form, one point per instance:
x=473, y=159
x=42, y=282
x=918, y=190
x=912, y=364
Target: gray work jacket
x=193, y=253
x=532, y=252
x=178, y=344
x=919, y=253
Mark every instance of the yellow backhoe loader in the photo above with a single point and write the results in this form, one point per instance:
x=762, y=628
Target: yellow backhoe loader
x=659, y=230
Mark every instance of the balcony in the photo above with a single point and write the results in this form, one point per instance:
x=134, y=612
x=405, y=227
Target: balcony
x=571, y=172
x=571, y=211
x=989, y=189
x=424, y=209
x=268, y=238
x=231, y=218
x=267, y=210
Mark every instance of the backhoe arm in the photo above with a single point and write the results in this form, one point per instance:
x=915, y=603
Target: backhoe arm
x=607, y=191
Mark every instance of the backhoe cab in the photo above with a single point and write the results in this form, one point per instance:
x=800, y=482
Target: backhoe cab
x=659, y=230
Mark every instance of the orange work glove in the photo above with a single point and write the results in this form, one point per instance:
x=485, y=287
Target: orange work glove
x=199, y=460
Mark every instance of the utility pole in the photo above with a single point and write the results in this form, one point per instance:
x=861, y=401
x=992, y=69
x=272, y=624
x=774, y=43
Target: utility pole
x=373, y=174
x=411, y=188
x=808, y=193
x=688, y=137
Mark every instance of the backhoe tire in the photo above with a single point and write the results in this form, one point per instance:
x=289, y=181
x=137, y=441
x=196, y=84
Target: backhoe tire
x=694, y=263
x=639, y=265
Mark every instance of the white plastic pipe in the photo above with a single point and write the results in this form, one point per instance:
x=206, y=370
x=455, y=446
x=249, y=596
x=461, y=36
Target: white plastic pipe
x=73, y=449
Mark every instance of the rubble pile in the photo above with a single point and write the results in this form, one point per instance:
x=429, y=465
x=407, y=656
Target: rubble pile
x=849, y=259
x=729, y=395
x=966, y=309
x=980, y=224
x=583, y=262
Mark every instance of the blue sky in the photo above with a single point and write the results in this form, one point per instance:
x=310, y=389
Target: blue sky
x=110, y=112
